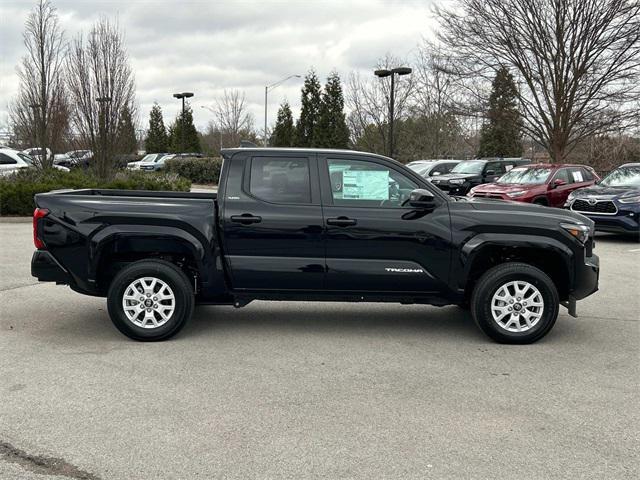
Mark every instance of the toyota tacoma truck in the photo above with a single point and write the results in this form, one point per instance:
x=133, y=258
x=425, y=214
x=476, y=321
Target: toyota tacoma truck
x=314, y=225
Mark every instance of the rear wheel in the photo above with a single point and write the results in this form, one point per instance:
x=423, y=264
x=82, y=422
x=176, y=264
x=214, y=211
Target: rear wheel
x=150, y=300
x=515, y=303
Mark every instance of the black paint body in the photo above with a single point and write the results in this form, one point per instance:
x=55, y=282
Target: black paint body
x=238, y=247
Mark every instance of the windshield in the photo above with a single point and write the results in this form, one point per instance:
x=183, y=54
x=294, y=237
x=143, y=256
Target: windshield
x=528, y=176
x=469, y=166
x=623, y=177
x=26, y=158
x=420, y=168
x=148, y=157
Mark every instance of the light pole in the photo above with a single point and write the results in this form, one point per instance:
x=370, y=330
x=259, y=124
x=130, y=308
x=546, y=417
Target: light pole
x=104, y=128
x=392, y=73
x=266, y=93
x=182, y=96
x=38, y=132
x=219, y=129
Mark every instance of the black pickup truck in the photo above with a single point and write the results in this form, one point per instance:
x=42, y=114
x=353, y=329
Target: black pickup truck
x=314, y=225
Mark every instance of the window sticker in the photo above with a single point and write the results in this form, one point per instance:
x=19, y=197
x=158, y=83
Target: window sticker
x=577, y=176
x=508, y=167
x=365, y=184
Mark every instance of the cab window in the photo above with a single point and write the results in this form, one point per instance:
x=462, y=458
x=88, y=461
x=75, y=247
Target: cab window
x=6, y=160
x=367, y=184
x=280, y=180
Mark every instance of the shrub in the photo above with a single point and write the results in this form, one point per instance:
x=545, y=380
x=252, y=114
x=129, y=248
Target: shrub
x=17, y=190
x=198, y=170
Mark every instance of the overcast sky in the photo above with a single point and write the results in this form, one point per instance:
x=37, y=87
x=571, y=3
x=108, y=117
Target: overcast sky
x=207, y=46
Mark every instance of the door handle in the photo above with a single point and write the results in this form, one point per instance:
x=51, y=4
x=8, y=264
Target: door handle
x=341, y=221
x=246, y=219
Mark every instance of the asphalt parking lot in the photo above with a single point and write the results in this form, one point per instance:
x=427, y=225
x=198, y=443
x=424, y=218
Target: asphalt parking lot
x=309, y=390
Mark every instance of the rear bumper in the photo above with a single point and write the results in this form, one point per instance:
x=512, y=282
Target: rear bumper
x=46, y=268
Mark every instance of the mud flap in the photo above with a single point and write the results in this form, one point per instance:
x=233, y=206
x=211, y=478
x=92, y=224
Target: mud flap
x=571, y=306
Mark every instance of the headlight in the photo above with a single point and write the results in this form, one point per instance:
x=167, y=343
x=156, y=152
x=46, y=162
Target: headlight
x=516, y=194
x=571, y=196
x=578, y=231
x=457, y=181
x=634, y=199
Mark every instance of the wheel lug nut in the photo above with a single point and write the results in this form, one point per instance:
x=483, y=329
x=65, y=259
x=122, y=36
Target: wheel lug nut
x=510, y=308
x=155, y=306
x=148, y=294
x=518, y=298
x=148, y=310
x=155, y=299
x=511, y=301
x=525, y=304
x=142, y=299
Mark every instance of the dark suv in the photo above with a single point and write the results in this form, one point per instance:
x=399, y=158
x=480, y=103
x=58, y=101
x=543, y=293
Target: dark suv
x=470, y=173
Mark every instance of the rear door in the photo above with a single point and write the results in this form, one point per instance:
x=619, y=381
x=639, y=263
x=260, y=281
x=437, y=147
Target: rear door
x=374, y=243
x=272, y=222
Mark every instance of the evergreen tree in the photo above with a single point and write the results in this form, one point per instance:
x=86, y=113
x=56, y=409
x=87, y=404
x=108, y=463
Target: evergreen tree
x=126, y=141
x=284, y=132
x=157, y=140
x=331, y=130
x=191, y=139
x=310, y=111
x=501, y=137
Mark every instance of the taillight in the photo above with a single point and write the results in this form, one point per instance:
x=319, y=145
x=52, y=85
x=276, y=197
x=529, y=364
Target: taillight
x=38, y=213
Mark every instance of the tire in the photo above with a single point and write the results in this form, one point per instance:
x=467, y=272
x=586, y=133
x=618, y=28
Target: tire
x=541, y=201
x=499, y=283
x=171, y=301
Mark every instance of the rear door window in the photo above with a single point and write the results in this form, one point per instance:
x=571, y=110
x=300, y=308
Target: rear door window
x=6, y=160
x=280, y=180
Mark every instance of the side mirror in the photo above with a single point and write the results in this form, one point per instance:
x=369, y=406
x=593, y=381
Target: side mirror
x=558, y=182
x=490, y=172
x=421, y=198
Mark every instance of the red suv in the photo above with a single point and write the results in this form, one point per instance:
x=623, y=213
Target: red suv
x=544, y=184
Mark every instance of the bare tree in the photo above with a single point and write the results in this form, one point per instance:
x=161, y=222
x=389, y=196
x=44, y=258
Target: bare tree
x=368, y=101
x=101, y=86
x=232, y=116
x=39, y=114
x=578, y=61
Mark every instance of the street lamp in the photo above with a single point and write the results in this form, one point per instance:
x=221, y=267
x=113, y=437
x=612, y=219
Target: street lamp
x=266, y=93
x=182, y=96
x=392, y=73
x=38, y=132
x=219, y=129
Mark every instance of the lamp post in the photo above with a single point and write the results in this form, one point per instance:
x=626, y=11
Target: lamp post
x=182, y=96
x=104, y=128
x=266, y=93
x=219, y=129
x=38, y=132
x=392, y=73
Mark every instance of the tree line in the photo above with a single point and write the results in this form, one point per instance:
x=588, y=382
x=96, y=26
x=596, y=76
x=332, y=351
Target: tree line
x=556, y=79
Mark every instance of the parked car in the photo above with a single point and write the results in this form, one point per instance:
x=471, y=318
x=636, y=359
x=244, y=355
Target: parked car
x=543, y=184
x=149, y=158
x=280, y=229
x=13, y=160
x=35, y=152
x=614, y=203
x=466, y=175
x=157, y=163
x=74, y=159
x=432, y=168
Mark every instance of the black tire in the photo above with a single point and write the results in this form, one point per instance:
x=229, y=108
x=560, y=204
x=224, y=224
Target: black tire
x=500, y=275
x=171, y=276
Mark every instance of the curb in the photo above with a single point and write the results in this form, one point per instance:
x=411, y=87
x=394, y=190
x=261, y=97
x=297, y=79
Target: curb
x=16, y=219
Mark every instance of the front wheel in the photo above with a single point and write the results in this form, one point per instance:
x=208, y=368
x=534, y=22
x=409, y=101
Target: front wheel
x=515, y=303
x=150, y=300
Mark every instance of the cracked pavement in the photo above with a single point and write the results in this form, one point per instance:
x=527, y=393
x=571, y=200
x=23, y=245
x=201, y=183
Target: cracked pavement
x=311, y=390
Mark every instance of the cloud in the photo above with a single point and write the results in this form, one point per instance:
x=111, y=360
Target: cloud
x=207, y=46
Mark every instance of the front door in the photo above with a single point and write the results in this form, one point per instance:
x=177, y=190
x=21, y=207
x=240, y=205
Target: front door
x=374, y=243
x=272, y=222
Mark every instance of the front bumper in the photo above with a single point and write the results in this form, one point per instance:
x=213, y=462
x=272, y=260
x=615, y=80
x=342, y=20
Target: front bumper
x=451, y=189
x=586, y=277
x=47, y=269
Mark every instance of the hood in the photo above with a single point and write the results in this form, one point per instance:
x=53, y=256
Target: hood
x=507, y=187
x=604, y=192
x=489, y=205
x=451, y=176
